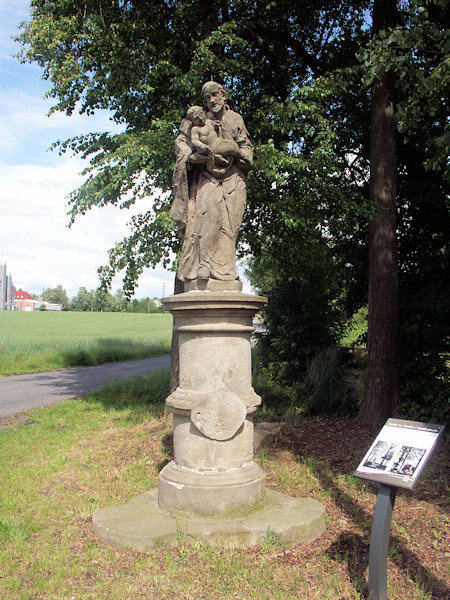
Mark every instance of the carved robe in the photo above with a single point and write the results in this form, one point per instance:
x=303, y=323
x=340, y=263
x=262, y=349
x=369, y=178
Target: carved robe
x=210, y=197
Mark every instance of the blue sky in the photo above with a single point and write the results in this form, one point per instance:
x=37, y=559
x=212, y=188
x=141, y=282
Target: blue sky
x=39, y=249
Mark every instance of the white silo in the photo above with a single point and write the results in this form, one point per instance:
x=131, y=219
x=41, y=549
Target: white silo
x=3, y=286
x=9, y=293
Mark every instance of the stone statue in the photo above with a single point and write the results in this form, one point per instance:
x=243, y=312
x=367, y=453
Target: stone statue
x=213, y=483
x=214, y=155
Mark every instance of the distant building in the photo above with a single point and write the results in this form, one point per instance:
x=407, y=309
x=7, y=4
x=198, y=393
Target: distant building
x=10, y=299
x=23, y=301
x=6, y=289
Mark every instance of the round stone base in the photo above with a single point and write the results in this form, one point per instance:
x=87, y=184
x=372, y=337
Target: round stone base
x=142, y=526
x=185, y=492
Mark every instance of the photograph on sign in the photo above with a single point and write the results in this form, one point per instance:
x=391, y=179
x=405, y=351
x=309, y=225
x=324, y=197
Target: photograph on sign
x=399, y=452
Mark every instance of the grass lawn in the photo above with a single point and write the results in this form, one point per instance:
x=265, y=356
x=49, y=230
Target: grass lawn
x=59, y=464
x=39, y=341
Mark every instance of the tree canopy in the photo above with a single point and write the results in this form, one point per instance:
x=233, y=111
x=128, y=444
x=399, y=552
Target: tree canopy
x=146, y=63
x=299, y=74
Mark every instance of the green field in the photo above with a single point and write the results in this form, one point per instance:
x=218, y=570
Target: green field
x=38, y=341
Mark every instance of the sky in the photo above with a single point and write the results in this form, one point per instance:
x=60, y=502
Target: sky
x=39, y=249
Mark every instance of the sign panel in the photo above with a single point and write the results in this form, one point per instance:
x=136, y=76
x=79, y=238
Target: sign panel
x=399, y=453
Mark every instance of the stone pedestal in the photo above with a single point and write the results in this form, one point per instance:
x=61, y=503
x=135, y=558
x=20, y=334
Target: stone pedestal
x=213, y=469
x=212, y=490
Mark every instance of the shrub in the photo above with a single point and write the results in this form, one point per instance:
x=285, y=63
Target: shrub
x=322, y=390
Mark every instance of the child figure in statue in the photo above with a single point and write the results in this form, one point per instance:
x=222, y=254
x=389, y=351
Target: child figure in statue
x=203, y=134
x=205, y=140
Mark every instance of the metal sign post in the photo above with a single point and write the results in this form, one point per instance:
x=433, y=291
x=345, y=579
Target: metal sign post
x=379, y=541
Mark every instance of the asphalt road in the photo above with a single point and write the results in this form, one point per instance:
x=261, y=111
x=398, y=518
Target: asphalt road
x=25, y=392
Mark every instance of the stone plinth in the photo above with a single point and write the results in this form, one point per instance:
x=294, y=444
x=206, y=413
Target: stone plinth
x=212, y=490
x=213, y=469
x=141, y=525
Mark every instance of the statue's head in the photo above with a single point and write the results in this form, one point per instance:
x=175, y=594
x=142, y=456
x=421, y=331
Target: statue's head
x=196, y=114
x=214, y=96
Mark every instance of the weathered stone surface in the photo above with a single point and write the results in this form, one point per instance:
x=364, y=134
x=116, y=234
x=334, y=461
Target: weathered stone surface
x=264, y=433
x=142, y=526
x=214, y=331
x=219, y=414
x=213, y=285
x=195, y=451
x=213, y=468
x=190, y=492
x=213, y=156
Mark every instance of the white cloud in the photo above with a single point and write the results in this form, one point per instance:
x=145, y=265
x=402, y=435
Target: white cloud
x=28, y=133
x=11, y=15
x=38, y=247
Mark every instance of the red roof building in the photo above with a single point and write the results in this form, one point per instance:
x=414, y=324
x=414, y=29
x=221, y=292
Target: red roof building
x=23, y=301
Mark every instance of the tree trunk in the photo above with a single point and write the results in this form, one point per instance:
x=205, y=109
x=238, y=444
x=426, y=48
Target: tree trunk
x=382, y=383
x=174, y=355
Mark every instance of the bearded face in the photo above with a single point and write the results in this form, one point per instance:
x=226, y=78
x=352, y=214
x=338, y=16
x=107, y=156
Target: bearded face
x=215, y=100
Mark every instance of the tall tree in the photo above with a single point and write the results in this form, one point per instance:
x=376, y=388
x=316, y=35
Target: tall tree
x=83, y=300
x=146, y=63
x=382, y=383
x=407, y=63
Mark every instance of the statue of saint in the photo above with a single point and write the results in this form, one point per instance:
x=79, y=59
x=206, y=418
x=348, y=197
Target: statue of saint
x=214, y=155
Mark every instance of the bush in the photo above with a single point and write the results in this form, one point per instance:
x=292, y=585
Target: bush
x=424, y=394
x=326, y=391
x=425, y=351
x=322, y=390
x=300, y=321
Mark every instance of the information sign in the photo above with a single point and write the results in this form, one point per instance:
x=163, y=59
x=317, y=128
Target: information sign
x=399, y=453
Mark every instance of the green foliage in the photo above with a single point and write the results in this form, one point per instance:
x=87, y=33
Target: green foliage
x=321, y=389
x=424, y=267
x=355, y=331
x=146, y=63
x=57, y=295
x=417, y=52
x=299, y=239
x=423, y=218
x=325, y=389
x=83, y=300
x=425, y=365
x=145, y=305
x=300, y=321
x=291, y=69
x=100, y=300
x=277, y=396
